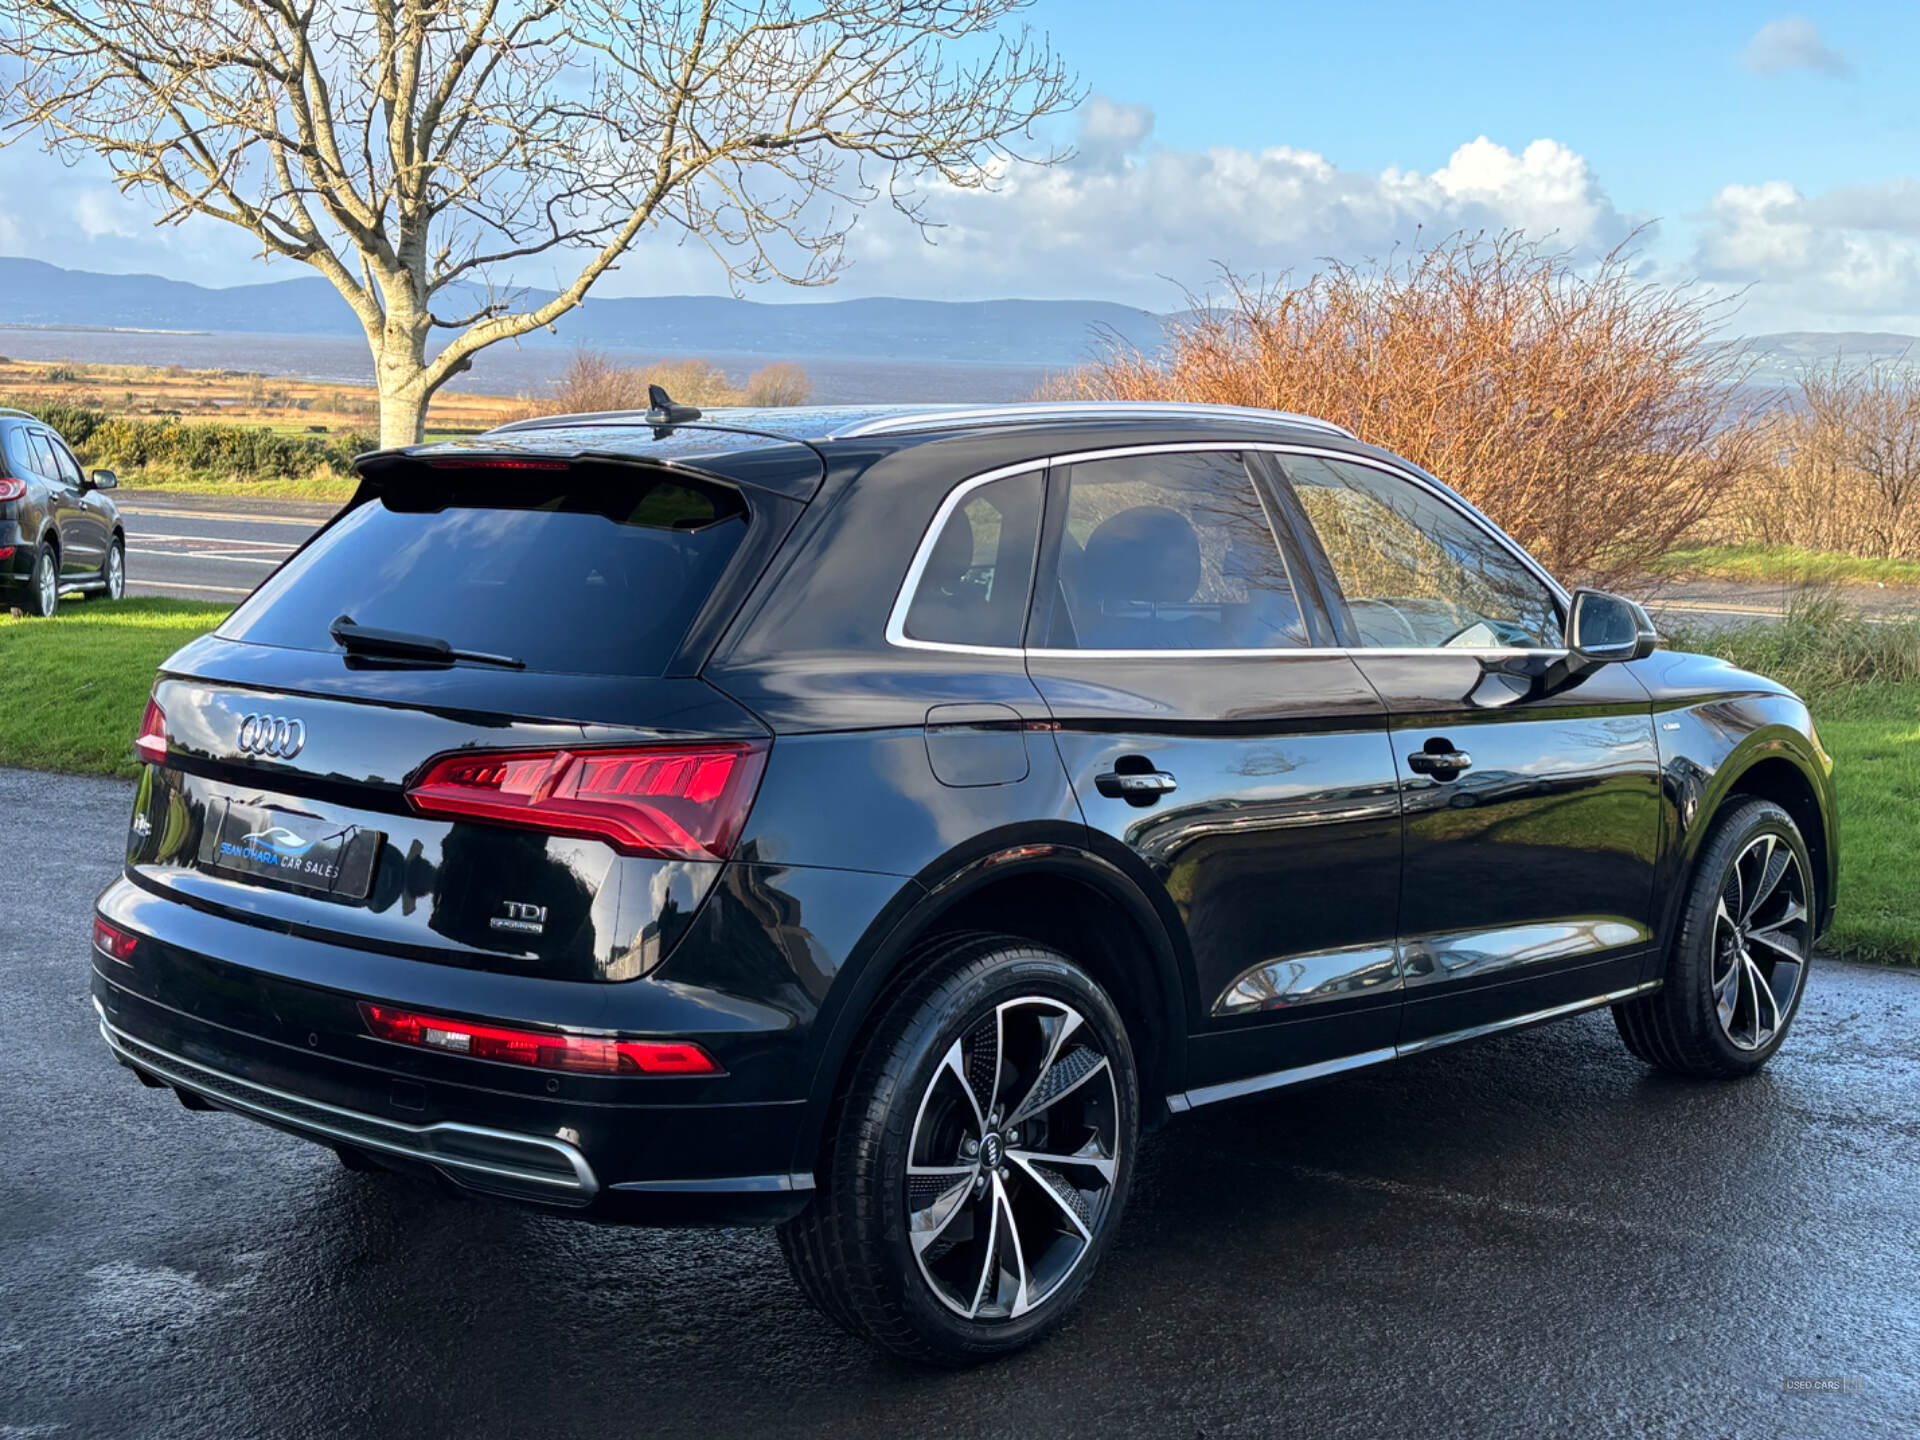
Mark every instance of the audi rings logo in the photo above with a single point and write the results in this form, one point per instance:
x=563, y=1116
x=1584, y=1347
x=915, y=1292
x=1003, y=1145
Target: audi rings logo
x=272, y=735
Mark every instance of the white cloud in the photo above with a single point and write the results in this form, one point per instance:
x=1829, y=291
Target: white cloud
x=1793, y=43
x=101, y=213
x=1848, y=257
x=1125, y=219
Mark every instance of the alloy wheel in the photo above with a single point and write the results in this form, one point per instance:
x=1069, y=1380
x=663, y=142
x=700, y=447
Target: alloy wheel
x=1013, y=1157
x=49, y=583
x=116, y=573
x=1762, y=936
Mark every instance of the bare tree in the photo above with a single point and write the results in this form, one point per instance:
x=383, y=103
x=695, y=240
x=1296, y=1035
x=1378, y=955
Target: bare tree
x=412, y=151
x=1864, y=427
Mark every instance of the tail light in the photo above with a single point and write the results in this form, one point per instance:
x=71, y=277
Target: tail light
x=11, y=489
x=151, y=743
x=669, y=802
x=113, y=942
x=541, y=1049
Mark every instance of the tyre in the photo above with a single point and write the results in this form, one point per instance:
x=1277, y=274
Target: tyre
x=1739, y=961
x=978, y=1161
x=43, y=586
x=113, y=571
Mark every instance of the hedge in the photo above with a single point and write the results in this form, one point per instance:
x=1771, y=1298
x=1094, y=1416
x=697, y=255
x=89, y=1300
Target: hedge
x=244, y=451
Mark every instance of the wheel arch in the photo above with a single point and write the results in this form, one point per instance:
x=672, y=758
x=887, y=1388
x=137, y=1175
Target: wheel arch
x=1054, y=895
x=1776, y=778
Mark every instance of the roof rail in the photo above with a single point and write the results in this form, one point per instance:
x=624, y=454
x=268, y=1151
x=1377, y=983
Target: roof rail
x=933, y=417
x=22, y=414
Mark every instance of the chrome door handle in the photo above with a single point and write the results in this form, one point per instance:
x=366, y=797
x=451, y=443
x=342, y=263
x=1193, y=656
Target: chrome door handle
x=1441, y=764
x=1139, y=787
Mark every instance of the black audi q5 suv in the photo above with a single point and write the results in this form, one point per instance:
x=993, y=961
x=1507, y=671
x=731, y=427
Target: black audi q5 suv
x=873, y=822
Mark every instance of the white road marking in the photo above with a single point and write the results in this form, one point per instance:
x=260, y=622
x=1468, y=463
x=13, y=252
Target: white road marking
x=173, y=585
x=311, y=523
x=267, y=560
x=243, y=542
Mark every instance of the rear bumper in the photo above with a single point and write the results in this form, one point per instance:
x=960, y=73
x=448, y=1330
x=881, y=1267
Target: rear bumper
x=208, y=1009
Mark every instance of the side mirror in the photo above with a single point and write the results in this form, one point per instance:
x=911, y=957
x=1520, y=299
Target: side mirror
x=1603, y=628
x=103, y=480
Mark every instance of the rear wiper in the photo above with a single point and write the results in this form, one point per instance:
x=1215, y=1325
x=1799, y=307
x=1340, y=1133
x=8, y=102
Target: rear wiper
x=404, y=645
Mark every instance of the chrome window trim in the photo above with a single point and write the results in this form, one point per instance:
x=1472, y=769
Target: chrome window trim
x=903, y=598
x=896, y=632
x=934, y=417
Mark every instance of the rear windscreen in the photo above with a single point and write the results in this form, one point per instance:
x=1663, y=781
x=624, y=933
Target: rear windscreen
x=605, y=582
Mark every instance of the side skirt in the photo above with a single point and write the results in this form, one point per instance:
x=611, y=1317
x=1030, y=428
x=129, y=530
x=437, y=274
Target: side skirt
x=1300, y=1074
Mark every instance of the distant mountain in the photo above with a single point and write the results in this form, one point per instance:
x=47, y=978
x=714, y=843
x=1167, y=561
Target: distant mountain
x=1784, y=357
x=1024, y=332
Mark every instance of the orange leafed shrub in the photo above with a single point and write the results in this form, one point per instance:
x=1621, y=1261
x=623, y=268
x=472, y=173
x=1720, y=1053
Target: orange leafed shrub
x=1593, y=415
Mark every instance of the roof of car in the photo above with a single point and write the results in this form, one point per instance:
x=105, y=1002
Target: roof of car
x=819, y=423
x=760, y=446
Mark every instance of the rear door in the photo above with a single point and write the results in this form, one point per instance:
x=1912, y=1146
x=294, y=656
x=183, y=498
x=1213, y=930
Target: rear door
x=1531, y=824
x=83, y=541
x=1239, y=770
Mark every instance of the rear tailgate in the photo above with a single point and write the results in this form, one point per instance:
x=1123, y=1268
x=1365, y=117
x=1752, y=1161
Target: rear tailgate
x=290, y=794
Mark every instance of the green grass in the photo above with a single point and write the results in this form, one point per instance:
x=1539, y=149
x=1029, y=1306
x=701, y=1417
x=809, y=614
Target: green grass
x=203, y=482
x=76, y=685
x=1876, y=770
x=1788, y=563
x=1862, y=682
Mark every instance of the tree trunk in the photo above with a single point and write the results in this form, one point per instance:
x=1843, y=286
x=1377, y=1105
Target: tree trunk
x=403, y=417
x=399, y=365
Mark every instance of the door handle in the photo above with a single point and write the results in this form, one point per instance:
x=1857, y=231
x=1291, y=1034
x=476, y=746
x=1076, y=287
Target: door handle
x=1441, y=764
x=1139, y=787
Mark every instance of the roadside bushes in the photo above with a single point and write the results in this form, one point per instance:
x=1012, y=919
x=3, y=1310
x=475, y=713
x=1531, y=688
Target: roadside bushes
x=1593, y=415
x=1819, y=649
x=1846, y=471
x=593, y=382
x=236, y=451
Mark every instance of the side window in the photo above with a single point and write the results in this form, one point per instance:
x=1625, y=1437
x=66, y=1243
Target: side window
x=43, y=460
x=21, y=460
x=973, y=588
x=1416, y=572
x=1169, y=552
x=69, y=468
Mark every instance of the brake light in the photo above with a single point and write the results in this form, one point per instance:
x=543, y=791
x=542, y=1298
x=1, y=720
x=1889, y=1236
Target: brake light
x=541, y=1049
x=669, y=802
x=151, y=743
x=113, y=942
x=493, y=462
x=11, y=489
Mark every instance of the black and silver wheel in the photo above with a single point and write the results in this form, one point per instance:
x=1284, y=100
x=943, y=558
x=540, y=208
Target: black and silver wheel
x=43, y=586
x=1740, y=956
x=980, y=1160
x=114, y=571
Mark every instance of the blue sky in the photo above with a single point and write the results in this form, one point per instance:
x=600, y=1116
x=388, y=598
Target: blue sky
x=1773, y=151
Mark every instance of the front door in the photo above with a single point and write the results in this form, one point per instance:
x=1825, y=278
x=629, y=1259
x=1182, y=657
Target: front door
x=1225, y=754
x=1531, y=823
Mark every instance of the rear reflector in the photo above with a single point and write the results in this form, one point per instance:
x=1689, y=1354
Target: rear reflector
x=114, y=943
x=669, y=802
x=151, y=743
x=6, y=552
x=541, y=1049
x=11, y=489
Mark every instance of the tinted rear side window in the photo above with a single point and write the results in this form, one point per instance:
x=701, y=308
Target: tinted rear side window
x=974, y=582
x=567, y=579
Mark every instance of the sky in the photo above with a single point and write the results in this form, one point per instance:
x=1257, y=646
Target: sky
x=1758, y=151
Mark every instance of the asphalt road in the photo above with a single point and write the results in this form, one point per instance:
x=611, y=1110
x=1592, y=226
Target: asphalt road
x=196, y=547
x=1530, y=1236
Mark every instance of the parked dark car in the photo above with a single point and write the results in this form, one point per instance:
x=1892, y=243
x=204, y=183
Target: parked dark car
x=58, y=529
x=873, y=822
